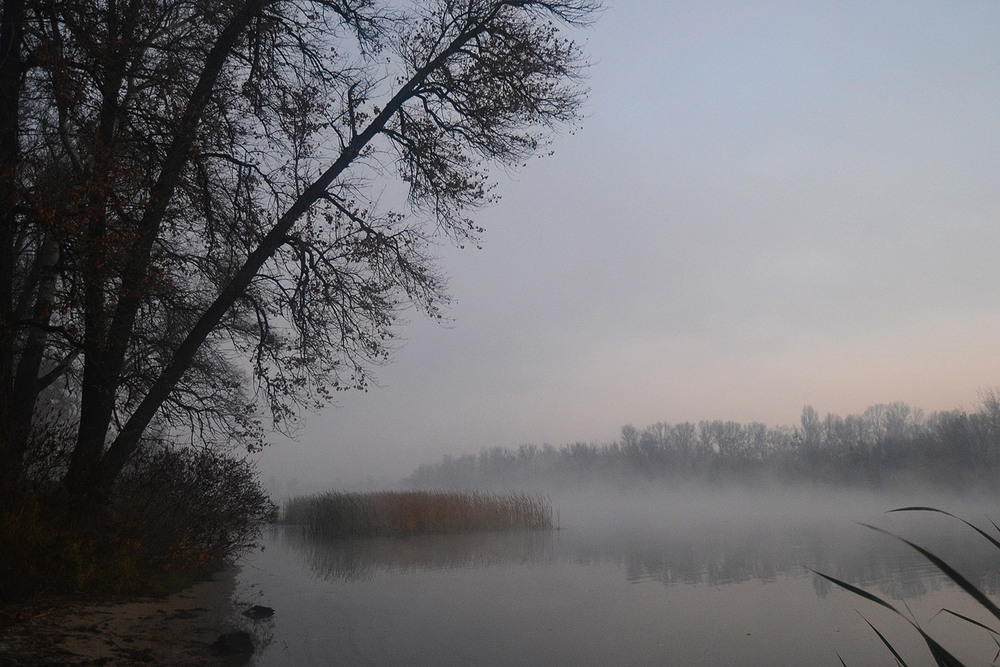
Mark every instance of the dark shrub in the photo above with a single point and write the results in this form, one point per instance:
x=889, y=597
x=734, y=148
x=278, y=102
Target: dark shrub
x=187, y=507
x=174, y=514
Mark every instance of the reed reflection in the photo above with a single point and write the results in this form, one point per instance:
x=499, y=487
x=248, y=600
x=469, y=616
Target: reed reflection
x=364, y=558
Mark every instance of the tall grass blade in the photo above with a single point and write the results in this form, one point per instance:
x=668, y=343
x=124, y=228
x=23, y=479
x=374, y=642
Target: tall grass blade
x=857, y=591
x=970, y=620
x=895, y=654
x=941, y=656
x=949, y=571
x=974, y=527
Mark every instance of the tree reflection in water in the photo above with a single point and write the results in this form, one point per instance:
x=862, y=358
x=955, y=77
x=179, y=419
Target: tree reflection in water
x=712, y=555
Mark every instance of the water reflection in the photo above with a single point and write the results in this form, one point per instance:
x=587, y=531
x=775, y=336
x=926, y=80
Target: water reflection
x=362, y=559
x=641, y=581
x=717, y=555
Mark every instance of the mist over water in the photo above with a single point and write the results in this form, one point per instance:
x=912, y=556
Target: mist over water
x=691, y=575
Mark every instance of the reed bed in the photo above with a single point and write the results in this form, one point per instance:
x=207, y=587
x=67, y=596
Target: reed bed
x=403, y=513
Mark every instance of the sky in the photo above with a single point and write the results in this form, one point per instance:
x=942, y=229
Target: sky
x=769, y=205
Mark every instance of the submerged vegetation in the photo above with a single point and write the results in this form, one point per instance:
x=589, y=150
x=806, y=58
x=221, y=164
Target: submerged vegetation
x=399, y=513
x=886, y=444
x=939, y=653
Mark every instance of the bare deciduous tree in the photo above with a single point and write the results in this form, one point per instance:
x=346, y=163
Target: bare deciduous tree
x=188, y=185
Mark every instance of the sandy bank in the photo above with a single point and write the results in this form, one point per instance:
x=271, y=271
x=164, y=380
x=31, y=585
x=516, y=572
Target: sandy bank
x=175, y=630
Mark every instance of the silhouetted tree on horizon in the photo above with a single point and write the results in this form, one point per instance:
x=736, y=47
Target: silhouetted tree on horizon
x=870, y=449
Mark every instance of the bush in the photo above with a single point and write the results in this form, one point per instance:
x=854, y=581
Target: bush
x=188, y=507
x=173, y=515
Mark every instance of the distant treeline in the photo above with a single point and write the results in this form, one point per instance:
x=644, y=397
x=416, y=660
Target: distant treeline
x=886, y=443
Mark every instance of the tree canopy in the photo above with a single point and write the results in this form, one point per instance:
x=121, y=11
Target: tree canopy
x=198, y=218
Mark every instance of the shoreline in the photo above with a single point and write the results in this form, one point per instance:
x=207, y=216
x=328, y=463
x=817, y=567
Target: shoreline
x=178, y=629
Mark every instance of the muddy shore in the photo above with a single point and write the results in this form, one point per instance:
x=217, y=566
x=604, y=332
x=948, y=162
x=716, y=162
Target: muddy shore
x=179, y=629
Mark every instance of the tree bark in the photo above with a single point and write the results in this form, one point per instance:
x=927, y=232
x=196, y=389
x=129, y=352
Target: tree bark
x=11, y=71
x=105, y=357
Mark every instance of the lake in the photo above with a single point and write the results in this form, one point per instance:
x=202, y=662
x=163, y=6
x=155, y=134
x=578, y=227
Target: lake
x=689, y=577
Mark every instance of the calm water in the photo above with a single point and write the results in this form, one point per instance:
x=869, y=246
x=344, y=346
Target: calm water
x=658, y=579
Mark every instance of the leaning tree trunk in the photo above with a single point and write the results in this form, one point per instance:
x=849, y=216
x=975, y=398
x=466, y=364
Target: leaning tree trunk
x=88, y=474
x=128, y=439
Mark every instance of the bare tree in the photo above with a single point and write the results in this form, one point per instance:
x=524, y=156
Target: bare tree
x=187, y=185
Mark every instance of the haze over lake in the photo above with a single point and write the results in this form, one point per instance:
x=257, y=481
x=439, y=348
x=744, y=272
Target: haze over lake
x=768, y=207
x=683, y=577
